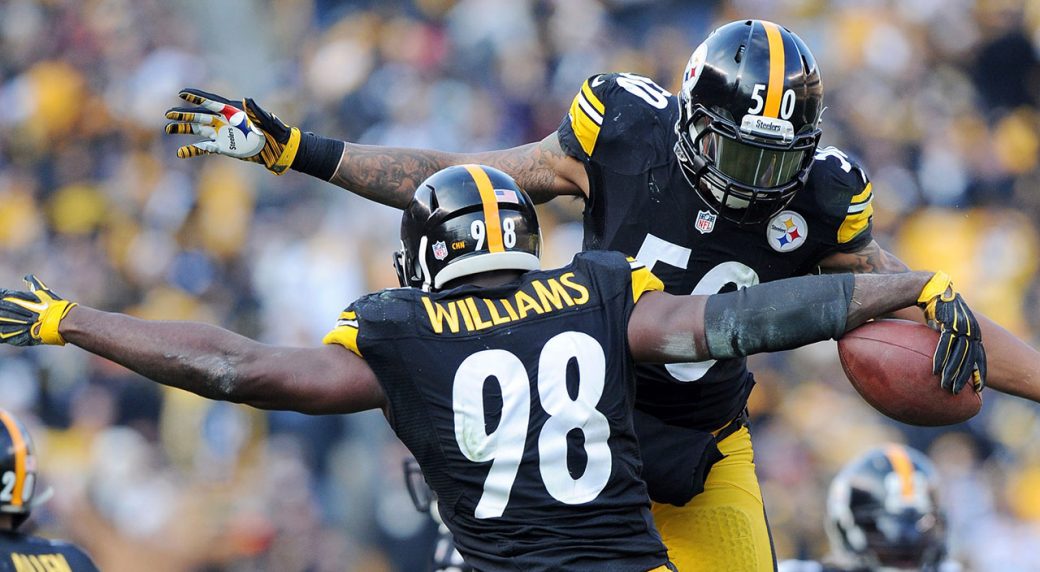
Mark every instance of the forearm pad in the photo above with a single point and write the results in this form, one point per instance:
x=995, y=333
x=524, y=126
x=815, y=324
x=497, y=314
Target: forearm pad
x=777, y=316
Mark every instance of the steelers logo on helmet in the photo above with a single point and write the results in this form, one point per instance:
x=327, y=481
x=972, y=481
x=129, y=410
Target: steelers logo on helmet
x=465, y=220
x=694, y=67
x=748, y=124
x=786, y=231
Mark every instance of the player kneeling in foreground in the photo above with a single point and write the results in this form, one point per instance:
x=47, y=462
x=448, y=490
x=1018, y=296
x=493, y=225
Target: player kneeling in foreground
x=19, y=551
x=555, y=484
x=883, y=515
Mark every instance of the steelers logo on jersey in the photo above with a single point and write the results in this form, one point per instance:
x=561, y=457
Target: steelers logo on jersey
x=786, y=231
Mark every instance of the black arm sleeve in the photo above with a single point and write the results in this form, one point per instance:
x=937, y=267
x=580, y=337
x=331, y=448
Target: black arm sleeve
x=777, y=316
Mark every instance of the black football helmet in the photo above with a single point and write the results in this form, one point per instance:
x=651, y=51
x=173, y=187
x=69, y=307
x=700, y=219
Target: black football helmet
x=17, y=469
x=882, y=512
x=749, y=114
x=465, y=220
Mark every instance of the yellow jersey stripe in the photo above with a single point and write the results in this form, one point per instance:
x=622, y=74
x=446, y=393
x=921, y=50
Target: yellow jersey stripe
x=903, y=467
x=345, y=336
x=586, y=90
x=863, y=195
x=492, y=224
x=20, y=452
x=644, y=281
x=583, y=124
x=854, y=224
x=775, y=88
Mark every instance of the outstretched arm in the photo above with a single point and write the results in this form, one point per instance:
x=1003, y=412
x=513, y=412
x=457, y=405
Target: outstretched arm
x=768, y=317
x=1014, y=366
x=390, y=175
x=387, y=175
x=200, y=358
x=222, y=365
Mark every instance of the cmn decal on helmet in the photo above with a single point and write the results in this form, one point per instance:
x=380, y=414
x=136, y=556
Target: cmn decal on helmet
x=749, y=111
x=17, y=469
x=882, y=511
x=465, y=220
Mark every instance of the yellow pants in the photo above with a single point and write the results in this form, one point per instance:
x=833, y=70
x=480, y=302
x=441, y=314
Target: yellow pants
x=723, y=528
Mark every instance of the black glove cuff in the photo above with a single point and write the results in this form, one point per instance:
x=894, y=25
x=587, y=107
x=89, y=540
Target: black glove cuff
x=318, y=156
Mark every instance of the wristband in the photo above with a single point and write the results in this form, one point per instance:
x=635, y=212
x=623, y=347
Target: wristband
x=318, y=156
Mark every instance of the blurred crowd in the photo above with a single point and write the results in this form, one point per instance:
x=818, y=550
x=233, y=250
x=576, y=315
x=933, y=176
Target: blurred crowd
x=938, y=98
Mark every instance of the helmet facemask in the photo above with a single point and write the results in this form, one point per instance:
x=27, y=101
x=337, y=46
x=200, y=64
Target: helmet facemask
x=743, y=173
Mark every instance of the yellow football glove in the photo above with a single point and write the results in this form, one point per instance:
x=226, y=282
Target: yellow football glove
x=32, y=318
x=237, y=129
x=959, y=356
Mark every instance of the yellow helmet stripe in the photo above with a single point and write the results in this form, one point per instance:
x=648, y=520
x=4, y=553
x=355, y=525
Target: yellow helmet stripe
x=492, y=224
x=20, y=451
x=775, y=88
x=903, y=467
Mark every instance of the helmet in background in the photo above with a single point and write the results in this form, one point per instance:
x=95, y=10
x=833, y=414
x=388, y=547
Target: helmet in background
x=882, y=511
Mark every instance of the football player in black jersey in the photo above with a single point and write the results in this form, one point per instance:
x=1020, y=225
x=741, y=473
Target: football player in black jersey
x=883, y=515
x=20, y=552
x=719, y=187
x=513, y=387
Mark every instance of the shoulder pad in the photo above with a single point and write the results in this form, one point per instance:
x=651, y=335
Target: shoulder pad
x=843, y=193
x=620, y=119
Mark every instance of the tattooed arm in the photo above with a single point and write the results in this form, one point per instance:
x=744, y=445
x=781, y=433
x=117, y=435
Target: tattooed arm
x=1014, y=366
x=389, y=175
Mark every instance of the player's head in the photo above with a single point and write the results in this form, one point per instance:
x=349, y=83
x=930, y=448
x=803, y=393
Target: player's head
x=17, y=469
x=749, y=114
x=466, y=220
x=882, y=512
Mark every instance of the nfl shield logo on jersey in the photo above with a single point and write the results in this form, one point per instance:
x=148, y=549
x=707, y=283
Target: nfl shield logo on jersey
x=440, y=250
x=786, y=231
x=705, y=222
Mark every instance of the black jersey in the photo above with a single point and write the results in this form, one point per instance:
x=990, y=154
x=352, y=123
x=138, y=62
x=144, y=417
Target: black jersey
x=23, y=553
x=622, y=127
x=517, y=403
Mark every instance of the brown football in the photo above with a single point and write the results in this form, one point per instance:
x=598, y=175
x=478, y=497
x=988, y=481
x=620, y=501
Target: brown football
x=889, y=362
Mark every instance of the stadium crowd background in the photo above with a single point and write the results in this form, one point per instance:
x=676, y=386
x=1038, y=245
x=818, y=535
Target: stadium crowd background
x=939, y=98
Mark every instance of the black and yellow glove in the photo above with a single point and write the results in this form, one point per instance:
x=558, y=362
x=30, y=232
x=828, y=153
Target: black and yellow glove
x=237, y=129
x=32, y=318
x=959, y=355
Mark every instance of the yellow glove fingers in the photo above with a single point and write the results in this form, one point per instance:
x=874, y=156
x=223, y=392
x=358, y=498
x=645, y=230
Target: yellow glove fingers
x=180, y=129
x=193, y=150
x=192, y=98
x=34, y=307
x=214, y=106
x=196, y=118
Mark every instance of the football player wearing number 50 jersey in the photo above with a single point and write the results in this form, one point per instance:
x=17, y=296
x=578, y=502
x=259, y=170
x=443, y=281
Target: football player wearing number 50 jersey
x=513, y=387
x=719, y=187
